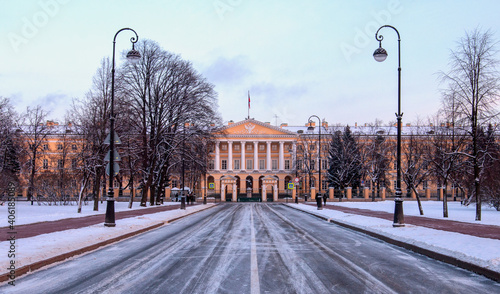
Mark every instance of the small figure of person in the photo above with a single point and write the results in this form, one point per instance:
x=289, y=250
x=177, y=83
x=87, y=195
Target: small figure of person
x=324, y=199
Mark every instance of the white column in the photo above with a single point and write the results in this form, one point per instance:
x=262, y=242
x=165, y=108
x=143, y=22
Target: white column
x=243, y=159
x=230, y=155
x=268, y=155
x=294, y=155
x=282, y=156
x=256, y=155
x=217, y=156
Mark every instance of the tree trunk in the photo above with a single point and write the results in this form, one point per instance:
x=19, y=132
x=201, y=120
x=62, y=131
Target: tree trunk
x=420, y=209
x=80, y=196
x=445, y=200
x=96, y=190
x=131, y=191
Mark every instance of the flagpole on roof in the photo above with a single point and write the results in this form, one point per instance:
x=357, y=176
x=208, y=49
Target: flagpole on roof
x=248, y=104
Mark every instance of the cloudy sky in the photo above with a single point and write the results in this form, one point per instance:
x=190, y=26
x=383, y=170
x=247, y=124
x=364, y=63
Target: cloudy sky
x=297, y=58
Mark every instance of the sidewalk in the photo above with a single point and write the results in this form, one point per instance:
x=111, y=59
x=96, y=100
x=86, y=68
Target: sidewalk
x=478, y=230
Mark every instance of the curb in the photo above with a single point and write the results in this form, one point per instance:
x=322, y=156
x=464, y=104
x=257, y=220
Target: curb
x=4, y=277
x=434, y=255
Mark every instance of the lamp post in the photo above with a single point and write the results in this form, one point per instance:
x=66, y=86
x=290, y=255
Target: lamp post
x=311, y=128
x=380, y=55
x=132, y=55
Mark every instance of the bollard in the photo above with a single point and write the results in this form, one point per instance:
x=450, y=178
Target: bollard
x=204, y=199
x=183, y=202
x=297, y=199
x=319, y=201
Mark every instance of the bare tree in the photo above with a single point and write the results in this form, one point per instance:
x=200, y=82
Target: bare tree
x=9, y=150
x=376, y=150
x=35, y=132
x=472, y=83
x=415, y=161
x=306, y=160
x=90, y=116
x=163, y=93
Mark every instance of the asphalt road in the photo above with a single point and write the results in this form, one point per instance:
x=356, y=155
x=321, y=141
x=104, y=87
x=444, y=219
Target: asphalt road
x=252, y=248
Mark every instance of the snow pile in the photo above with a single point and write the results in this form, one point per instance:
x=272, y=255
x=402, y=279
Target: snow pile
x=483, y=252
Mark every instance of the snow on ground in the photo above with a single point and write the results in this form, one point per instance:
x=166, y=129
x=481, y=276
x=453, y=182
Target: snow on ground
x=27, y=213
x=484, y=252
x=433, y=209
x=30, y=250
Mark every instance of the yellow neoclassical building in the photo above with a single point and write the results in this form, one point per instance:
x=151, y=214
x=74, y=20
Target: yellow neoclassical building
x=253, y=159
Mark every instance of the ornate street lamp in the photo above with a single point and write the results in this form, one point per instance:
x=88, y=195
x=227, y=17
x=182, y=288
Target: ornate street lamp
x=380, y=55
x=311, y=128
x=132, y=55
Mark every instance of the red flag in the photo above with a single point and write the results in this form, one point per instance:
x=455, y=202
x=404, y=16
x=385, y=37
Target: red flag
x=249, y=99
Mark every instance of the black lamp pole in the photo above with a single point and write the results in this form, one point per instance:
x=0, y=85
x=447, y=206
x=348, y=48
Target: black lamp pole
x=318, y=201
x=133, y=55
x=380, y=55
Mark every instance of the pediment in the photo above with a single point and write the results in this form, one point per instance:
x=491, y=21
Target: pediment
x=251, y=127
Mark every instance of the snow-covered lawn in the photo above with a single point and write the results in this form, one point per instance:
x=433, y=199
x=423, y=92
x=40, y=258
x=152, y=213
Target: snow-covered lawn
x=27, y=213
x=433, y=209
x=483, y=252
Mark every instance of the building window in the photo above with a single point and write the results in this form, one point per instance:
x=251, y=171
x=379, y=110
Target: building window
x=45, y=164
x=312, y=146
x=287, y=164
x=262, y=164
x=224, y=164
x=299, y=164
x=274, y=147
x=249, y=164
x=249, y=147
x=324, y=164
x=274, y=164
x=211, y=164
x=262, y=147
x=45, y=147
x=60, y=164
x=313, y=164
x=236, y=164
x=223, y=147
x=237, y=147
x=74, y=163
x=73, y=147
x=59, y=147
x=174, y=183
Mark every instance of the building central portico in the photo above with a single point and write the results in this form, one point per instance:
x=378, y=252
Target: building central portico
x=253, y=153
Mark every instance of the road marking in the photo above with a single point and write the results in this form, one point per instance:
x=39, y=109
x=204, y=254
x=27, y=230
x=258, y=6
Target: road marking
x=254, y=268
